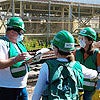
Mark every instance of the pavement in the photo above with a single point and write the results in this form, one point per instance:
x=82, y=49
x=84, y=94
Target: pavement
x=32, y=79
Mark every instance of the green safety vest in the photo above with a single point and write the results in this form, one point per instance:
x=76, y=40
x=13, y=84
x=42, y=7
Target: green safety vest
x=18, y=69
x=89, y=62
x=64, y=81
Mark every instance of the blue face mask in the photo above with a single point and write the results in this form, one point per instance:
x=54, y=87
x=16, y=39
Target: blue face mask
x=20, y=38
x=82, y=43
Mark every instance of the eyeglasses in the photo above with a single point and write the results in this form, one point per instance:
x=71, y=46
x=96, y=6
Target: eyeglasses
x=18, y=30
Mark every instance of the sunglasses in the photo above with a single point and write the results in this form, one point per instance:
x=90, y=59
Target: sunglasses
x=18, y=30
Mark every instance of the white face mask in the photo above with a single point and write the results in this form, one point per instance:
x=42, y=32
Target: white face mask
x=82, y=43
x=20, y=38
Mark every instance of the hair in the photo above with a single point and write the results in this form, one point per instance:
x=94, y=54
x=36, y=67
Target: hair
x=90, y=49
x=68, y=54
x=89, y=38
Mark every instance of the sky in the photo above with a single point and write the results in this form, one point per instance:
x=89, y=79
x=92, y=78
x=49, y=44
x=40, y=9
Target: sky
x=83, y=1
x=80, y=1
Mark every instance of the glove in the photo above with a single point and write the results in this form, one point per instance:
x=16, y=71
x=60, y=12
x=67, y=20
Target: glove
x=37, y=58
x=34, y=59
x=38, y=55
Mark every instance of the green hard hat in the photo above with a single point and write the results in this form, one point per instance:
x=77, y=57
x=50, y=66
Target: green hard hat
x=89, y=32
x=15, y=22
x=64, y=41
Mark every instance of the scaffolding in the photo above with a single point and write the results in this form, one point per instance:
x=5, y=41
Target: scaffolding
x=49, y=16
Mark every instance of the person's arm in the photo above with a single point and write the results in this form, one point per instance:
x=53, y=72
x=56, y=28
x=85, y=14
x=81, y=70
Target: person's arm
x=10, y=61
x=98, y=69
x=89, y=73
x=5, y=61
x=41, y=82
x=98, y=62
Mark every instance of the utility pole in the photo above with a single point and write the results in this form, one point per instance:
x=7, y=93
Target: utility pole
x=48, y=22
x=70, y=25
x=13, y=8
x=79, y=17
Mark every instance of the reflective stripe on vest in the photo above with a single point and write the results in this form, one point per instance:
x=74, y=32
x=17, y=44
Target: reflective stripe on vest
x=89, y=83
x=89, y=62
x=14, y=70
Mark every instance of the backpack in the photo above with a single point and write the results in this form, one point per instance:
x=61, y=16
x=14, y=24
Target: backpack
x=64, y=81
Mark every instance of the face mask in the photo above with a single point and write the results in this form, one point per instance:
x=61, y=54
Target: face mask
x=51, y=46
x=20, y=38
x=82, y=43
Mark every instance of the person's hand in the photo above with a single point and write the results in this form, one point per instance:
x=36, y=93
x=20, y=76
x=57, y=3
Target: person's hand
x=71, y=57
x=97, y=78
x=94, y=79
x=21, y=57
x=96, y=44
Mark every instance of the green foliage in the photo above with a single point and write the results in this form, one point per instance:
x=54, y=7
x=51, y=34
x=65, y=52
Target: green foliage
x=34, y=44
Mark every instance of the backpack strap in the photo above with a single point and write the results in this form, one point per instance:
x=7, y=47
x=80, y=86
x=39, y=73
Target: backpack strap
x=79, y=74
x=72, y=74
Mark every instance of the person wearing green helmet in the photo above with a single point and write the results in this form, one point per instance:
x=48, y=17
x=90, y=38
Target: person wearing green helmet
x=15, y=22
x=62, y=77
x=89, y=57
x=13, y=73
